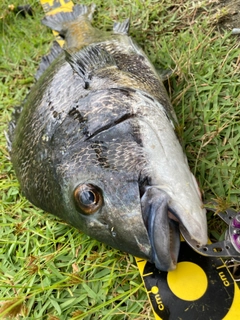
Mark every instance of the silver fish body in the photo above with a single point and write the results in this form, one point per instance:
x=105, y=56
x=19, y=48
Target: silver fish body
x=95, y=144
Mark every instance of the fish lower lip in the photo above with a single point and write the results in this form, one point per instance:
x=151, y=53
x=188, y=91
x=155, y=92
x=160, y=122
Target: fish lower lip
x=166, y=258
x=163, y=229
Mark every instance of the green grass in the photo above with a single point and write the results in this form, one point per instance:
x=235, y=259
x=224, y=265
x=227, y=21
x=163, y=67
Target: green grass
x=51, y=271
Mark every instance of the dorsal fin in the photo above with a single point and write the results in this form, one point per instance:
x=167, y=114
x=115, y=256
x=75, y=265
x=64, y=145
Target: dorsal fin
x=48, y=59
x=89, y=60
x=56, y=21
x=121, y=27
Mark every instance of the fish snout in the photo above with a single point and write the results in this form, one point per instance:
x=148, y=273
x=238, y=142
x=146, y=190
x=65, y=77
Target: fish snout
x=192, y=220
x=164, y=220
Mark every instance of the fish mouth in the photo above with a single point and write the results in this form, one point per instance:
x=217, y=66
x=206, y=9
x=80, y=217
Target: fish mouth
x=164, y=218
x=162, y=227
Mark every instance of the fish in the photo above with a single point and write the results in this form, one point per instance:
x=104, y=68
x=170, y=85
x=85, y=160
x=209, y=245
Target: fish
x=95, y=143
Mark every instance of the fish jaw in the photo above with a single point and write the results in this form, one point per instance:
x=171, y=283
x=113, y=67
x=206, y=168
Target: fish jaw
x=193, y=221
x=163, y=227
x=163, y=232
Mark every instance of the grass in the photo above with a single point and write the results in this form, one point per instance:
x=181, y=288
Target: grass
x=51, y=271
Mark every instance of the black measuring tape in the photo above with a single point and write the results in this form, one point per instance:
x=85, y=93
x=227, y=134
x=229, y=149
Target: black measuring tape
x=200, y=288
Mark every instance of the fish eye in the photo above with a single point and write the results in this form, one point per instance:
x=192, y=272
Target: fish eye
x=88, y=198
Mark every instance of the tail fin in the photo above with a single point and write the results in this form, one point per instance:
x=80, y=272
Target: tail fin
x=57, y=22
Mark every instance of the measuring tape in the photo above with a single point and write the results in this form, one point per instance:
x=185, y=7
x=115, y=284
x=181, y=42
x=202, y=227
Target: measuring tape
x=201, y=287
x=55, y=6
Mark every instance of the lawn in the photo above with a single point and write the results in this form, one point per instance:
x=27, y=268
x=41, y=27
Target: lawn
x=51, y=271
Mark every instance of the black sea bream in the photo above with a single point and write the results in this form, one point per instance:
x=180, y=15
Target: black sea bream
x=94, y=144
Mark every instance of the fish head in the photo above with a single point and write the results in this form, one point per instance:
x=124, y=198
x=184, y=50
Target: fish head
x=117, y=189
x=108, y=191
x=129, y=215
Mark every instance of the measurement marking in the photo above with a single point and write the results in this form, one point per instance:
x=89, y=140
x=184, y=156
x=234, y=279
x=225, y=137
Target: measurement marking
x=220, y=267
x=147, y=274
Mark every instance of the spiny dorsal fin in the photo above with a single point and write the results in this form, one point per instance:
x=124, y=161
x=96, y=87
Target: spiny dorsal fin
x=48, y=59
x=56, y=21
x=89, y=60
x=121, y=27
